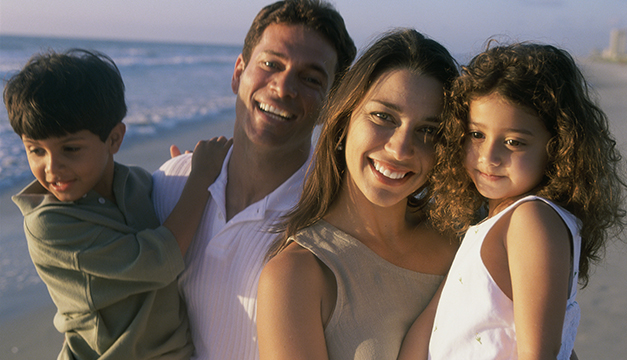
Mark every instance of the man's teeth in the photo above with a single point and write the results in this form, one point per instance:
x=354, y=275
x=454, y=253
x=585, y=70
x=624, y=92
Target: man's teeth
x=388, y=173
x=272, y=110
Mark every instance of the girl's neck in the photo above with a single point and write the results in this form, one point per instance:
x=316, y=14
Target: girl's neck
x=495, y=206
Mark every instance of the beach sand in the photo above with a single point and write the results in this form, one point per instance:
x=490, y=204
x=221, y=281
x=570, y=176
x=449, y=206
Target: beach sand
x=26, y=332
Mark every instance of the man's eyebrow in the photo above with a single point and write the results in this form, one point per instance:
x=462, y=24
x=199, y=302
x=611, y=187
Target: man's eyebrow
x=313, y=66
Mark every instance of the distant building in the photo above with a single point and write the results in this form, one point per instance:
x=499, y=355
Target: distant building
x=617, y=51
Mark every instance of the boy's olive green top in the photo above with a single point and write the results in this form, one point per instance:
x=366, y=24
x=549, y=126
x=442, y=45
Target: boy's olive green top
x=110, y=269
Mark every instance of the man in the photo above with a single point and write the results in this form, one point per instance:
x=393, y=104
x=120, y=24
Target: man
x=293, y=53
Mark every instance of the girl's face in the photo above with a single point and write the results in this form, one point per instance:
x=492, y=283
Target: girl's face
x=505, y=148
x=389, y=143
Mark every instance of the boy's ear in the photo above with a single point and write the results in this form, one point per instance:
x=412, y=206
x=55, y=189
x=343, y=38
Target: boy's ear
x=115, y=137
x=240, y=65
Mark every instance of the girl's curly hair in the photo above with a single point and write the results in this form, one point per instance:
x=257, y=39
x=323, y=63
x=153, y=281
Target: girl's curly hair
x=583, y=174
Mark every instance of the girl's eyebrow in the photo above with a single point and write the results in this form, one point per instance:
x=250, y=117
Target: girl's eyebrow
x=514, y=130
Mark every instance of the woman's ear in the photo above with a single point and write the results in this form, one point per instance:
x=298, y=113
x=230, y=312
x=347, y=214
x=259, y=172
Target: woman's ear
x=115, y=137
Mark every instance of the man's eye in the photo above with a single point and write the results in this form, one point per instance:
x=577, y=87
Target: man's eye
x=313, y=80
x=270, y=64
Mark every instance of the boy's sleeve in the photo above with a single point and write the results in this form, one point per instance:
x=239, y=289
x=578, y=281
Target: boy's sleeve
x=63, y=239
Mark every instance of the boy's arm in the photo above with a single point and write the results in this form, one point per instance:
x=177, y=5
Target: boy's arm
x=207, y=162
x=416, y=343
x=538, y=252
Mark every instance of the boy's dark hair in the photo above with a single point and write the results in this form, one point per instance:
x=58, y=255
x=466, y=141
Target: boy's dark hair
x=317, y=15
x=56, y=94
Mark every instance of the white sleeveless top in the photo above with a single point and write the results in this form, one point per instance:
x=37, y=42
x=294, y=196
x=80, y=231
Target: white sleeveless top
x=475, y=319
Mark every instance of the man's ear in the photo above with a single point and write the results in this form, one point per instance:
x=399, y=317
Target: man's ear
x=240, y=65
x=115, y=137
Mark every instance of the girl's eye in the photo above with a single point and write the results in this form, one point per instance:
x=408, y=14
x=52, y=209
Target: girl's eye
x=475, y=135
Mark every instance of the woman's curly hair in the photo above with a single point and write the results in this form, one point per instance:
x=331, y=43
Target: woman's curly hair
x=583, y=173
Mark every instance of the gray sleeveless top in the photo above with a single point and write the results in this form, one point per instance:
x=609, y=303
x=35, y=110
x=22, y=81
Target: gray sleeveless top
x=377, y=301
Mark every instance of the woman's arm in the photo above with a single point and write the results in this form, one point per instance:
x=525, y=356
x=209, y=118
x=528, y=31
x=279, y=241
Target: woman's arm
x=538, y=251
x=293, y=305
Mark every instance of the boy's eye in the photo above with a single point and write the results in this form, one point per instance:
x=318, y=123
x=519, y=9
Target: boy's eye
x=71, y=148
x=36, y=151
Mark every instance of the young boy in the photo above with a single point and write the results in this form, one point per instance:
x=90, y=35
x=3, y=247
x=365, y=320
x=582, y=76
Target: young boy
x=90, y=225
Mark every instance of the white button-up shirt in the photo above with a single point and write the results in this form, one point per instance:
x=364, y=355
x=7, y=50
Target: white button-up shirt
x=225, y=260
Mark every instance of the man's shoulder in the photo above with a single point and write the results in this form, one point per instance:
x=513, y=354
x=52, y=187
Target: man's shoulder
x=179, y=165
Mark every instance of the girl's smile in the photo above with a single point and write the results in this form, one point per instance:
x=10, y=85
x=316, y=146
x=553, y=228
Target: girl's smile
x=505, y=148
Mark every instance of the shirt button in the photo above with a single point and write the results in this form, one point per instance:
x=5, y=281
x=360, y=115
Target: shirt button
x=101, y=200
x=220, y=216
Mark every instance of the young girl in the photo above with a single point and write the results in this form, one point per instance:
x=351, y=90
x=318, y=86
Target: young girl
x=523, y=137
x=358, y=262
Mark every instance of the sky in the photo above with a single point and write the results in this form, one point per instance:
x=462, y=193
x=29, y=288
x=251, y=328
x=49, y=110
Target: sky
x=463, y=26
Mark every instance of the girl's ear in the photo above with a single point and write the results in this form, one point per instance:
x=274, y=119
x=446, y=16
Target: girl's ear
x=115, y=137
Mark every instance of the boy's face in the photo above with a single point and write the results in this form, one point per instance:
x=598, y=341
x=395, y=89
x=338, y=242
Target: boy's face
x=70, y=166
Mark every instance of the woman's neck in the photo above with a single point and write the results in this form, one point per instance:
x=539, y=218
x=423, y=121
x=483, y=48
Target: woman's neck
x=355, y=215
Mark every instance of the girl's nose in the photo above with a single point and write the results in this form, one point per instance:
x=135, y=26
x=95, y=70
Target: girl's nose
x=489, y=153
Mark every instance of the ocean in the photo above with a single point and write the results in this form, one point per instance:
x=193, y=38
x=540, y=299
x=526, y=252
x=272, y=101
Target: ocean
x=166, y=84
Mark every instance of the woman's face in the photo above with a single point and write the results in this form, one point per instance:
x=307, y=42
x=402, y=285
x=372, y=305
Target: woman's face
x=389, y=143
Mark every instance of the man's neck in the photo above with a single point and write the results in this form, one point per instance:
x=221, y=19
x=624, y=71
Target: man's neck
x=254, y=174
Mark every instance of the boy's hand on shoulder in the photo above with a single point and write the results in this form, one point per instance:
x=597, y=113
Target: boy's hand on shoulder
x=175, y=151
x=208, y=157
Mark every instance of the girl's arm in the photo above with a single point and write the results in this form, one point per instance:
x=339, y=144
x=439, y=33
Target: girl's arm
x=292, y=306
x=416, y=343
x=538, y=249
x=206, y=165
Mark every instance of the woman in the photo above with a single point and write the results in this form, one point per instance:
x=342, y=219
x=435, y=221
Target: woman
x=358, y=261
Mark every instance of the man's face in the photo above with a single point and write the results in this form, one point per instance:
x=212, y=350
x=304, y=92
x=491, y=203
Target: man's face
x=280, y=90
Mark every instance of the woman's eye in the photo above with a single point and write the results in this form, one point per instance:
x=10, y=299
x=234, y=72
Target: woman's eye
x=512, y=142
x=382, y=116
